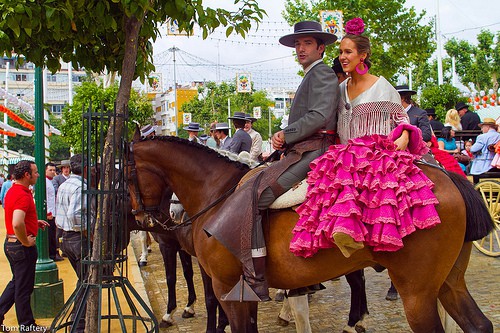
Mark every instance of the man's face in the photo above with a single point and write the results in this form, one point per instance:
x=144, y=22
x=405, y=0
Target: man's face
x=34, y=174
x=308, y=51
x=65, y=170
x=50, y=171
x=248, y=126
x=461, y=112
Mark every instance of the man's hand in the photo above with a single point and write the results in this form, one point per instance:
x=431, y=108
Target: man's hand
x=278, y=140
x=31, y=241
x=42, y=224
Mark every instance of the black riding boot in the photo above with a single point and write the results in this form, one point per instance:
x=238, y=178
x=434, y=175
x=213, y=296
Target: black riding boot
x=252, y=286
x=258, y=282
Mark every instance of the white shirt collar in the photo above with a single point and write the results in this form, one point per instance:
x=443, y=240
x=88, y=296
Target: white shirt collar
x=312, y=65
x=408, y=108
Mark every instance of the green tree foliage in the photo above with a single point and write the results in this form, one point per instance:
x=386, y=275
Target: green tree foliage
x=91, y=95
x=441, y=98
x=397, y=35
x=212, y=105
x=59, y=149
x=477, y=66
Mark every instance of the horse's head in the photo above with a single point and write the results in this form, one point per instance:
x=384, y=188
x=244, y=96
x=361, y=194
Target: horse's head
x=149, y=195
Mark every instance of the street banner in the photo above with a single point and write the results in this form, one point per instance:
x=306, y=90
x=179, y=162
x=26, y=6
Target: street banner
x=332, y=21
x=173, y=29
x=186, y=118
x=243, y=83
x=154, y=84
x=257, y=114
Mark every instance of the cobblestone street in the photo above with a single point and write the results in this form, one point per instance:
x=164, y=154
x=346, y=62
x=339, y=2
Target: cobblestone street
x=329, y=308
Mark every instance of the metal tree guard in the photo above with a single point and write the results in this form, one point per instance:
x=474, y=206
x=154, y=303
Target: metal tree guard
x=120, y=307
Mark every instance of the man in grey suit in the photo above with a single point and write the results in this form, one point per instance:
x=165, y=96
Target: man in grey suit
x=241, y=139
x=418, y=117
x=311, y=125
x=222, y=131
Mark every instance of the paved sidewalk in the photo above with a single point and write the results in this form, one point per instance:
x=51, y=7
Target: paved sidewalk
x=68, y=276
x=329, y=308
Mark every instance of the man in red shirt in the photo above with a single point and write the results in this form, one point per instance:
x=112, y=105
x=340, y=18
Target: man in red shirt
x=21, y=223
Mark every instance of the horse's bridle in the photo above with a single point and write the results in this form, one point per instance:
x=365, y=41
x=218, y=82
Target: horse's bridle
x=153, y=214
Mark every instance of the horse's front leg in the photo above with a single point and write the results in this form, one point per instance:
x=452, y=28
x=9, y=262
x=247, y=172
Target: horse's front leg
x=211, y=304
x=187, y=268
x=169, y=255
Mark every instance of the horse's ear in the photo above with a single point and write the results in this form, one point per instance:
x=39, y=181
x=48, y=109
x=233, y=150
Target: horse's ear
x=137, y=134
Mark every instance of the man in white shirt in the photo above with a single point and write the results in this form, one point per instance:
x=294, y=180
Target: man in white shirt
x=222, y=131
x=50, y=192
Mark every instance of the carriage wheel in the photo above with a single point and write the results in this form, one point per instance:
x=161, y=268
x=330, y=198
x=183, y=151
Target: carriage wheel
x=490, y=191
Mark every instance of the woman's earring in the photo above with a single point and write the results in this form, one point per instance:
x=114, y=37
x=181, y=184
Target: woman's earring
x=363, y=69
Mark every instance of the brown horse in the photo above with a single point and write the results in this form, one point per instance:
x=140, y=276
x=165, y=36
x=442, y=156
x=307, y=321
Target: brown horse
x=431, y=265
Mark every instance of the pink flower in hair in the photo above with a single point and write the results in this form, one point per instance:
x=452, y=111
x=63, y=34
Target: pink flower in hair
x=356, y=26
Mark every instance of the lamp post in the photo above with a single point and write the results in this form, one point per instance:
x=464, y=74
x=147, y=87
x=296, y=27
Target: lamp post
x=48, y=295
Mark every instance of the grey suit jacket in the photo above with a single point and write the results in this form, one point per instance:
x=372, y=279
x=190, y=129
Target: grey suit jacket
x=418, y=118
x=226, y=144
x=241, y=142
x=314, y=107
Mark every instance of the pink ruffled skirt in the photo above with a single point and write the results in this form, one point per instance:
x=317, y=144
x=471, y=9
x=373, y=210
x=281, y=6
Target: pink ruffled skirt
x=365, y=189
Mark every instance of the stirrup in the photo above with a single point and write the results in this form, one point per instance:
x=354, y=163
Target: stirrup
x=241, y=292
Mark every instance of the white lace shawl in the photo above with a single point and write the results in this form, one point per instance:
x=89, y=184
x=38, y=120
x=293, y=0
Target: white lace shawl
x=377, y=110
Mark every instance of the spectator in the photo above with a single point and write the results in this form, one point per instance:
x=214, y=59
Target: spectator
x=63, y=176
x=483, y=149
x=453, y=119
x=5, y=187
x=212, y=141
x=71, y=216
x=148, y=131
x=221, y=133
x=417, y=116
x=50, y=173
x=447, y=140
x=21, y=224
x=256, y=149
x=468, y=119
x=193, y=129
x=436, y=125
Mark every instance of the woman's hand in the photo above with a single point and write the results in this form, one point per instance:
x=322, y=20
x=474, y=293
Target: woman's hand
x=402, y=141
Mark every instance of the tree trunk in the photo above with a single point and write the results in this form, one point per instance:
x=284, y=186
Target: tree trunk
x=101, y=249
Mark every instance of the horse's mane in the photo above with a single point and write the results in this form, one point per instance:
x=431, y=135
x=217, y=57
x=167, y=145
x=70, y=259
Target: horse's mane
x=207, y=150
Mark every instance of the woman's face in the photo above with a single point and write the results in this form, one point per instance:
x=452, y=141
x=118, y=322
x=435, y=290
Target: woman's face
x=349, y=56
x=452, y=133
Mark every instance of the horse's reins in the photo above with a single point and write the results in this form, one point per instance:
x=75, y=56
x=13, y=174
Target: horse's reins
x=189, y=220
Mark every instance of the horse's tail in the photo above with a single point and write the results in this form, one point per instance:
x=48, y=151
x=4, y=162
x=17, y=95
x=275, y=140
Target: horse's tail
x=479, y=222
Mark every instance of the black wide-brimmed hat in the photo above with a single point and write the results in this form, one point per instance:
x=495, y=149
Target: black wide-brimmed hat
x=193, y=127
x=461, y=105
x=307, y=28
x=221, y=126
x=431, y=112
x=248, y=117
x=238, y=116
x=404, y=89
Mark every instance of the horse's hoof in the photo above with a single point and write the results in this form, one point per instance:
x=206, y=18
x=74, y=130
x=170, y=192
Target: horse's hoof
x=360, y=329
x=166, y=324
x=282, y=322
x=348, y=329
x=143, y=263
x=187, y=314
x=391, y=295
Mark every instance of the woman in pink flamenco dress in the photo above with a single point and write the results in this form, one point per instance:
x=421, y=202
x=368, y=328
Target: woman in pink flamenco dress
x=367, y=190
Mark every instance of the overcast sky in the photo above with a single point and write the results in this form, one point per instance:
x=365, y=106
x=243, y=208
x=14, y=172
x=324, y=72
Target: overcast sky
x=271, y=64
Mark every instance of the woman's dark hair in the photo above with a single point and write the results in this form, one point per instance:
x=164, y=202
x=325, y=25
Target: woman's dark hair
x=446, y=133
x=363, y=46
x=21, y=168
